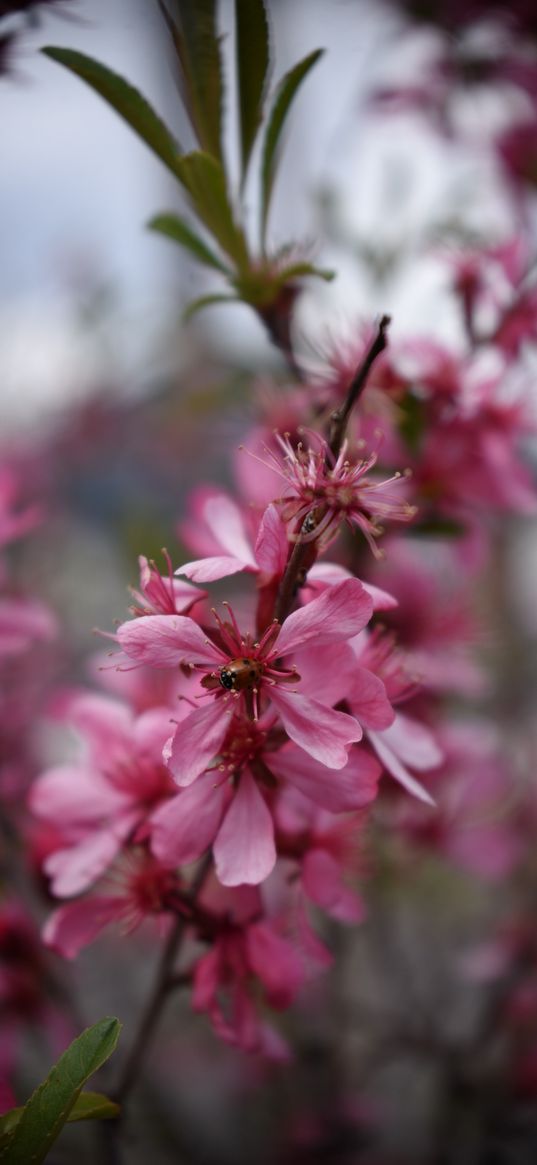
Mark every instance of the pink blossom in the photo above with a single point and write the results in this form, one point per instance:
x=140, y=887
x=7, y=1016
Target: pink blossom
x=162, y=596
x=100, y=801
x=262, y=550
x=329, y=491
x=247, y=952
x=327, y=849
x=24, y=622
x=473, y=824
x=404, y=743
x=243, y=673
x=221, y=527
x=229, y=806
x=143, y=890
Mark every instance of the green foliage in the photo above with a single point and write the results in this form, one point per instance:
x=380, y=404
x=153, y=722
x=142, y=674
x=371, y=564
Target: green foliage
x=204, y=178
x=27, y=1134
x=193, y=31
x=282, y=103
x=203, y=174
x=126, y=100
x=207, y=301
x=253, y=67
x=174, y=227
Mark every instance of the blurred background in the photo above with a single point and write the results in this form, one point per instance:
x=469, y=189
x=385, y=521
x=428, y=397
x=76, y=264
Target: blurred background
x=112, y=409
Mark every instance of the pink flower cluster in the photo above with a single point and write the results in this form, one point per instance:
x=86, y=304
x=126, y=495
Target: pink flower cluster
x=262, y=744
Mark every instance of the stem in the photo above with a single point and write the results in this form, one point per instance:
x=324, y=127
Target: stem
x=164, y=982
x=340, y=418
x=301, y=559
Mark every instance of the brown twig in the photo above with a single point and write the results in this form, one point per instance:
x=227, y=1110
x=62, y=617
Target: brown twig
x=340, y=418
x=164, y=982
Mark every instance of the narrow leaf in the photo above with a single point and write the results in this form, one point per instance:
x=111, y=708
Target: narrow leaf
x=253, y=64
x=192, y=28
x=204, y=179
x=88, y=1106
x=131, y=105
x=175, y=228
x=93, y=1106
x=47, y=1110
x=295, y=270
x=283, y=99
x=207, y=301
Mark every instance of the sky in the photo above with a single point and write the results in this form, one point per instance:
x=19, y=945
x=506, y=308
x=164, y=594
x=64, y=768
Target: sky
x=77, y=187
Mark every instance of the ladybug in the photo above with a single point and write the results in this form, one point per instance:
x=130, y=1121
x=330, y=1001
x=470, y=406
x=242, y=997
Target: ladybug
x=240, y=675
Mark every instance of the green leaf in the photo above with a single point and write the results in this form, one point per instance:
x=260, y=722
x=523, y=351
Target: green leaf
x=93, y=1106
x=88, y=1106
x=125, y=99
x=204, y=179
x=283, y=99
x=175, y=228
x=253, y=64
x=193, y=31
x=295, y=270
x=47, y=1110
x=207, y=301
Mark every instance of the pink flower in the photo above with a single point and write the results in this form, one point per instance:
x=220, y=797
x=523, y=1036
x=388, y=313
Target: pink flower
x=327, y=849
x=404, y=743
x=247, y=951
x=329, y=491
x=221, y=527
x=227, y=806
x=264, y=550
x=162, y=596
x=143, y=890
x=99, y=803
x=240, y=673
x=24, y=622
x=473, y=825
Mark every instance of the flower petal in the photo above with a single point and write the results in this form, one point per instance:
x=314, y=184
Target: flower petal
x=326, y=672
x=76, y=924
x=368, y=701
x=338, y=613
x=272, y=547
x=351, y=787
x=276, y=962
x=224, y=519
x=73, y=870
x=196, y=741
x=323, y=884
x=166, y=640
x=413, y=743
x=244, y=851
x=320, y=731
x=328, y=573
x=184, y=827
x=71, y=796
x=204, y=570
x=394, y=766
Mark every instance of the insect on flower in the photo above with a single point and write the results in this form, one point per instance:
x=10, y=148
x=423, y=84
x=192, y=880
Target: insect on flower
x=240, y=675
